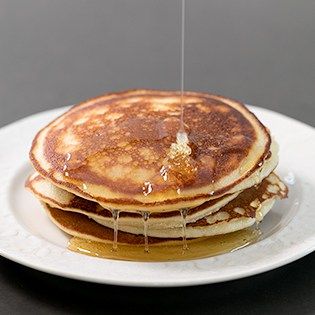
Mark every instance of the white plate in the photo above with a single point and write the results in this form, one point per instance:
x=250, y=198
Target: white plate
x=29, y=238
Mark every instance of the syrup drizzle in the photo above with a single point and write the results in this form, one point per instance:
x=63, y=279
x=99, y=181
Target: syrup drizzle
x=115, y=215
x=183, y=213
x=182, y=68
x=180, y=151
x=181, y=137
x=145, y=217
x=198, y=248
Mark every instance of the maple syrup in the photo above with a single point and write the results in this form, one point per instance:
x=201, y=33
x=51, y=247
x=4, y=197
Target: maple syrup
x=183, y=214
x=145, y=217
x=115, y=215
x=198, y=248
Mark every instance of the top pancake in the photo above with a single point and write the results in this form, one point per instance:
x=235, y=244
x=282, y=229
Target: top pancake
x=112, y=149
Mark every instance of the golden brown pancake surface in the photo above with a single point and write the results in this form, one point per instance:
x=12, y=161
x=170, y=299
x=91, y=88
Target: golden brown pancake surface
x=113, y=149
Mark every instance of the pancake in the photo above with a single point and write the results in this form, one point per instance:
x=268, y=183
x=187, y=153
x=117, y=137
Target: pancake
x=58, y=198
x=62, y=199
x=248, y=207
x=114, y=150
x=81, y=226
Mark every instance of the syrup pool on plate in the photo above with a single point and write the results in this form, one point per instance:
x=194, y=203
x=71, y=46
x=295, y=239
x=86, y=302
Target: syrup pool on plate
x=198, y=248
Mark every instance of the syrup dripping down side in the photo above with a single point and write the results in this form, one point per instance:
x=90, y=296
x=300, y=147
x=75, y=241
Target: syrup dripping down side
x=183, y=214
x=182, y=67
x=115, y=215
x=145, y=217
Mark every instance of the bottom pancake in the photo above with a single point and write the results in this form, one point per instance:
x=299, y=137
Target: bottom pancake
x=93, y=239
x=81, y=226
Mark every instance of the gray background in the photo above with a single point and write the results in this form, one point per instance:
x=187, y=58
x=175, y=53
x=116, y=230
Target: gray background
x=55, y=53
x=59, y=52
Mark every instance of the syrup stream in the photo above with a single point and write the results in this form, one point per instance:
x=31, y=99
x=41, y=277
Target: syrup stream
x=198, y=248
x=183, y=214
x=115, y=214
x=182, y=68
x=145, y=217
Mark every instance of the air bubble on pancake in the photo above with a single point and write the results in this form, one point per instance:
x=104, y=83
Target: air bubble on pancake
x=145, y=217
x=147, y=188
x=183, y=213
x=84, y=186
x=115, y=216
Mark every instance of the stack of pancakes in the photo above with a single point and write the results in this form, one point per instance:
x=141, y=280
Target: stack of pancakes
x=110, y=156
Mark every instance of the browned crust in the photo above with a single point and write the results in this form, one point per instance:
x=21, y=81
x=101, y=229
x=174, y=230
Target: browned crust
x=243, y=200
x=94, y=207
x=126, y=201
x=80, y=223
